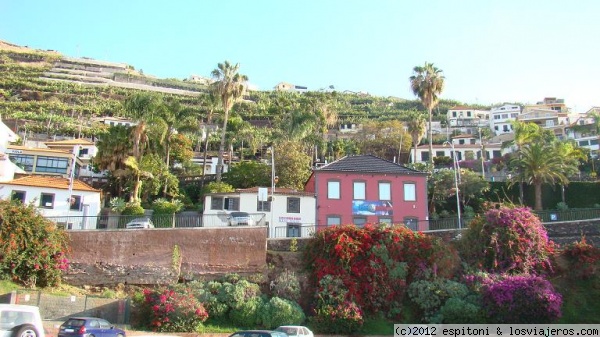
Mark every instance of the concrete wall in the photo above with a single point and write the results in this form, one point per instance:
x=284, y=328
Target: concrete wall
x=147, y=256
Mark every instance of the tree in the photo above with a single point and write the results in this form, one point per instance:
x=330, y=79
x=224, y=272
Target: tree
x=524, y=133
x=229, y=86
x=427, y=83
x=33, y=250
x=416, y=127
x=384, y=139
x=292, y=164
x=113, y=148
x=212, y=102
x=539, y=163
x=141, y=107
x=249, y=174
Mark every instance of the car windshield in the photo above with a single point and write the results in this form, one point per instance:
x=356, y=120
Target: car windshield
x=290, y=331
x=240, y=215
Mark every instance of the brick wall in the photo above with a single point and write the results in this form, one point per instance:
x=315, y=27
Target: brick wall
x=110, y=257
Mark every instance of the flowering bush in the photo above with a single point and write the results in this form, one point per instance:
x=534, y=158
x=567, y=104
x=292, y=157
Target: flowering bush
x=32, y=249
x=171, y=311
x=374, y=263
x=344, y=318
x=430, y=295
x=507, y=240
x=521, y=299
x=582, y=257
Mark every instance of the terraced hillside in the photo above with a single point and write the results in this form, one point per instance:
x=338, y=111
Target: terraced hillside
x=44, y=92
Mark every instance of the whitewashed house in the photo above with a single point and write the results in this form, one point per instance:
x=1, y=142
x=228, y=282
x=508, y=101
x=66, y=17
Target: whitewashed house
x=502, y=117
x=75, y=208
x=286, y=212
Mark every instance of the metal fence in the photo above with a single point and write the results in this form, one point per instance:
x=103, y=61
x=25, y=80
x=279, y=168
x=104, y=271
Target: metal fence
x=296, y=230
x=182, y=220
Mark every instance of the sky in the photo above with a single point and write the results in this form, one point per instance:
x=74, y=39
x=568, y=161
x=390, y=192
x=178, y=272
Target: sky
x=490, y=51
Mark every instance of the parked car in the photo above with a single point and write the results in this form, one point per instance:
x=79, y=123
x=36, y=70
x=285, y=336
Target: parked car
x=258, y=333
x=295, y=331
x=89, y=327
x=140, y=223
x=21, y=321
x=240, y=219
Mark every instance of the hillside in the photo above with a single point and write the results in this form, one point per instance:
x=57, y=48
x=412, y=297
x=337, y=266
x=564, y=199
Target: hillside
x=45, y=92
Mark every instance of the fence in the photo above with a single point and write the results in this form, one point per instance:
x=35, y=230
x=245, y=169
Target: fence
x=294, y=230
x=59, y=308
x=182, y=220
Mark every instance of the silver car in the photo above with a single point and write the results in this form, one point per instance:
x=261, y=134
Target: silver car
x=139, y=223
x=240, y=219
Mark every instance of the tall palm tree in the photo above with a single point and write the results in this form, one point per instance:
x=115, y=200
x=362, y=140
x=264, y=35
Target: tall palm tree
x=540, y=163
x=141, y=107
x=229, y=86
x=417, y=125
x=212, y=102
x=524, y=133
x=427, y=83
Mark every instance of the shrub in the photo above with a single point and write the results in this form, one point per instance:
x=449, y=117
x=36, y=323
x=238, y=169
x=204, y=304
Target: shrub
x=32, y=249
x=430, y=296
x=460, y=311
x=344, y=318
x=171, y=311
x=278, y=311
x=373, y=263
x=582, y=257
x=507, y=240
x=246, y=314
x=521, y=300
x=287, y=286
x=132, y=209
x=164, y=206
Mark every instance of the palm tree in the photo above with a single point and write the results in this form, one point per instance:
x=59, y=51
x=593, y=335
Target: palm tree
x=427, y=83
x=416, y=127
x=140, y=107
x=540, y=163
x=524, y=133
x=229, y=86
x=212, y=102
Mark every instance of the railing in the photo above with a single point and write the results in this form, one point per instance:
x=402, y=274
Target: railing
x=568, y=215
x=294, y=231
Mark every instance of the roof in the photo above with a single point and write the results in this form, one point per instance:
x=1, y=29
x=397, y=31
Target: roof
x=78, y=141
x=51, y=182
x=461, y=107
x=36, y=149
x=278, y=190
x=367, y=163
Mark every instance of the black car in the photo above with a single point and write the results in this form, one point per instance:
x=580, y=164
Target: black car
x=89, y=327
x=258, y=333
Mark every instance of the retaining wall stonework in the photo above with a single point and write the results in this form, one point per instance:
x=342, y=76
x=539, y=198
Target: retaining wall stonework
x=159, y=256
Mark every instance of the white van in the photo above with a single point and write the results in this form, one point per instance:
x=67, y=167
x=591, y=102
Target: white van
x=20, y=321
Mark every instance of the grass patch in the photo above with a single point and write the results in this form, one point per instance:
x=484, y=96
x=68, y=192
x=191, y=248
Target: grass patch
x=581, y=299
x=8, y=286
x=377, y=325
x=209, y=328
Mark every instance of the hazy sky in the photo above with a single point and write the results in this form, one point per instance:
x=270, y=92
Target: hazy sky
x=490, y=51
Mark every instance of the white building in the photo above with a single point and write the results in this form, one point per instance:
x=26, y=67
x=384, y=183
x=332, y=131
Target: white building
x=465, y=117
x=501, y=118
x=76, y=208
x=290, y=213
x=467, y=150
x=83, y=149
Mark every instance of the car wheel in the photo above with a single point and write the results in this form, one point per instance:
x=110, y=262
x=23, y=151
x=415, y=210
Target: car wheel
x=25, y=330
x=91, y=336
x=120, y=335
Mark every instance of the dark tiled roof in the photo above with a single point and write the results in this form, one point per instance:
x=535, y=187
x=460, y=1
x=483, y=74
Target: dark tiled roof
x=369, y=164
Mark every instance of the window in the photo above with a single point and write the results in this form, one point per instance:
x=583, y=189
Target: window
x=263, y=206
x=410, y=192
x=461, y=141
x=425, y=156
x=453, y=113
x=385, y=191
x=83, y=152
x=496, y=154
x=333, y=220
x=468, y=113
x=18, y=195
x=496, y=127
x=496, y=116
x=385, y=220
x=359, y=190
x=439, y=153
x=293, y=230
x=51, y=164
x=47, y=200
x=411, y=223
x=216, y=203
x=593, y=141
x=504, y=116
x=505, y=128
x=232, y=204
x=23, y=160
x=293, y=205
x=333, y=190
x=359, y=220
x=75, y=203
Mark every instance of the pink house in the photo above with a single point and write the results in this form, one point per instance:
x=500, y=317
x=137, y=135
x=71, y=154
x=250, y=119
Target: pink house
x=366, y=189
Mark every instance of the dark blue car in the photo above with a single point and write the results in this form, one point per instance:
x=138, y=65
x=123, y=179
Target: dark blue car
x=89, y=327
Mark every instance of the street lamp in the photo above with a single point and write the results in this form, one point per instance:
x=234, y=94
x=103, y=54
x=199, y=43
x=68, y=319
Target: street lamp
x=482, y=154
x=456, y=168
